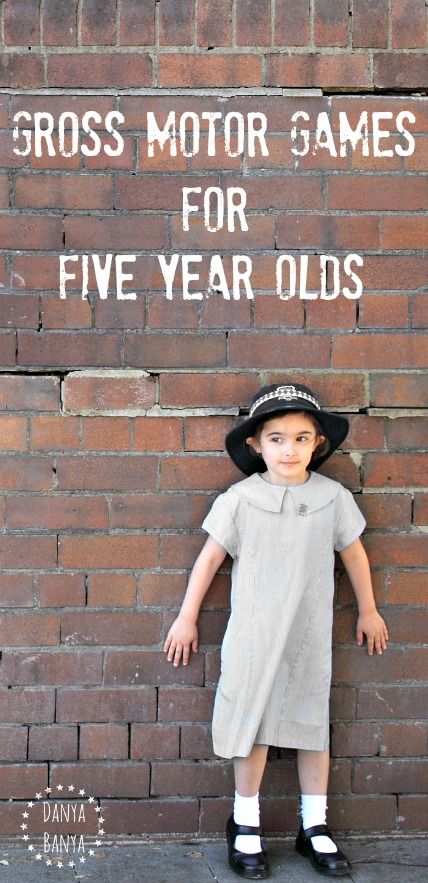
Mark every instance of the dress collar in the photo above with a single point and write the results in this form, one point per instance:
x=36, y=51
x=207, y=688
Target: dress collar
x=312, y=494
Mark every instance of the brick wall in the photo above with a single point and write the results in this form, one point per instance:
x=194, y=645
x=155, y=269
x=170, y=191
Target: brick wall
x=113, y=413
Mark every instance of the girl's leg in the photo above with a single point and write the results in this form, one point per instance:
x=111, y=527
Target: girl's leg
x=313, y=769
x=248, y=776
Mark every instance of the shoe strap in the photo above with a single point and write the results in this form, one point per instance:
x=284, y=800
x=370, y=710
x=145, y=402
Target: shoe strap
x=244, y=829
x=316, y=830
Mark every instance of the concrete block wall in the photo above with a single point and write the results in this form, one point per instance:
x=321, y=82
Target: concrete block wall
x=113, y=413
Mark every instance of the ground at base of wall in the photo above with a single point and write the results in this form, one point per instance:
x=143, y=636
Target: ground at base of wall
x=396, y=860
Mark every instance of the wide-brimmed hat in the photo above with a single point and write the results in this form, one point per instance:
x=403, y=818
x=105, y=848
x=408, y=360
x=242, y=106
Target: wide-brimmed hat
x=277, y=399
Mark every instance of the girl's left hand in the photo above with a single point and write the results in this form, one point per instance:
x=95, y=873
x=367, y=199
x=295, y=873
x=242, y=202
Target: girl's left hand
x=373, y=627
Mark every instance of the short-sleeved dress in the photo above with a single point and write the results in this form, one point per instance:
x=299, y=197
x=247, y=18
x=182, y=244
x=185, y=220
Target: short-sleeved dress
x=275, y=676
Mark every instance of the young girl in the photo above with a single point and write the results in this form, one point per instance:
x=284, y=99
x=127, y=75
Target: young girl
x=281, y=525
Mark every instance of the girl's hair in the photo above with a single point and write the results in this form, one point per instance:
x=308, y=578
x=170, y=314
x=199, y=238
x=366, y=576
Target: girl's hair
x=319, y=451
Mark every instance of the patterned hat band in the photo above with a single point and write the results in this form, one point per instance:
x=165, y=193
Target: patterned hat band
x=286, y=393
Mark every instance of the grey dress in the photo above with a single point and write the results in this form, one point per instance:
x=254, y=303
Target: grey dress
x=276, y=653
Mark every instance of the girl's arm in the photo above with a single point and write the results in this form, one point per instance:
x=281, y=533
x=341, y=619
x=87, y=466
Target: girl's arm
x=183, y=633
x=369, y=623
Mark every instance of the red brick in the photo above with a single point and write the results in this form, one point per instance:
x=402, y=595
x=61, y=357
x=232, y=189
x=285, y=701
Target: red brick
x=58, y=667
x=57, y=512
x=56, y=104
x=21, y=23
x=280, y=191
x=108, y=391
x=396, y=70
x=209, y=70
x=70, y=313
x=266, y=350
x=111, y=590
x=407, y=587
x=124, y=551
x=328, y=232
x=30, y=231
x=8, y=348
x=13, y=432
x=103, y=742
x=356, y=739
x=106, y=434
x=35, y=272
x=409, y=626
x=176, y=23
x=196, y=473
x=218, y=313
x=405, y=231
x=61, y=590
x=98, y=18
x=27, y=551
x=418, y=160
x=331, y=18
x=407, y=432
x=179, y=350
x=68, y=348
x=152, y=816
x=319, y=70
x=112, y=69
x=13, y=743
x=383, y=311
x=206, y=433
x=363, y=813
x=379, y=351
x=158, y=434
x=183, y=778
x=419, y=311
x=393, y=391
x=17, y=781
x=379, y=193
x=122, y=627
x=16, y=590
x=253, y=23
x=260, y=234
x=411, y=810
x=161, y=161
x=52, y=743
x=334, y=390
x=207, y=390
x=121, y=314
x=394, y=470
x=370, y=24
x=150, y=667
x=29, y=629
x=389, y=702
x=137, y=23
x=125, y=160
x=124, y=232
x=324, y=315
x=51, y=433
x=154, y=742
x=214, y=23
x=196, y=742
x=60, y=22
x=400, y=550
x=394, y=272
x=9, y=159
x=343, y=703
x=26, y=473
x=163, y=510
x=403, y=739
x=364, y=433
x=383, y=776
x=27, y=705
x=163, y=313
x=107, y=473
x=123, y=780
x=106, y=705
x=154, y=192
x=167, y=588
x=420, y=515
x=386, y=510
x=408, y=24
x=59, y=191
x=292, y=23
x=415, y=665
x=21, y=71
x=353, y=665
x=4, y=192
x=212, y=624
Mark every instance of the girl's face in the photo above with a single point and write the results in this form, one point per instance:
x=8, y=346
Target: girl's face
x=286, y=444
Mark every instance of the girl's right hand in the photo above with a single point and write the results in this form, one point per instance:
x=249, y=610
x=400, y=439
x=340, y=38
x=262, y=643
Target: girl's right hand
x=182, y=635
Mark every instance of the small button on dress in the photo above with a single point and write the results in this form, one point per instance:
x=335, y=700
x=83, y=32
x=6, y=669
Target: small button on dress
x=275, y=676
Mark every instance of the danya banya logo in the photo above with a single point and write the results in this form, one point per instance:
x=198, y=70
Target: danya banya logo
x=63, y=831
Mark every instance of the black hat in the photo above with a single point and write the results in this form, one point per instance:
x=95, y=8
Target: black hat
x=277, y=399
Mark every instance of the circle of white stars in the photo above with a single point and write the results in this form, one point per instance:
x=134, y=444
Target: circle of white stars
x=40, y=857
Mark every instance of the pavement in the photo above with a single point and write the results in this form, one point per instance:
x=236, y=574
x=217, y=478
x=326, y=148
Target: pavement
x=392, y=860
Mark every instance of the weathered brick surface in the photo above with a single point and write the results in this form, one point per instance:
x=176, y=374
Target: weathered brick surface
x=106, y=474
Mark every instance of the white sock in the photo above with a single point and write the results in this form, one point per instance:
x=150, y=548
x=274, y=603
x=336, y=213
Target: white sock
x=314, y=811
x=246, y=812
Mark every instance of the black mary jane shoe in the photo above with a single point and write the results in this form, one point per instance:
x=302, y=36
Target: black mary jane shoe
x=252, y=866
x=333, y=864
